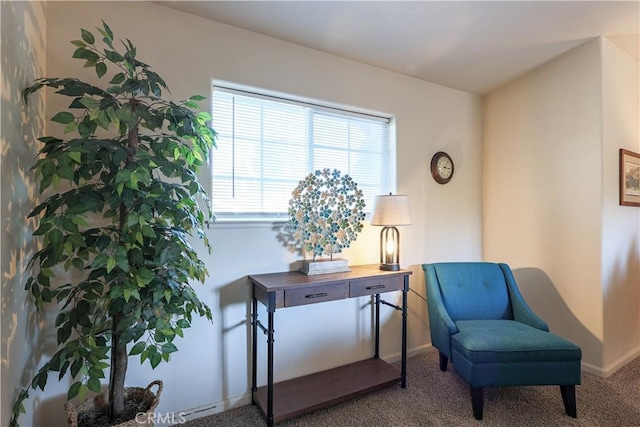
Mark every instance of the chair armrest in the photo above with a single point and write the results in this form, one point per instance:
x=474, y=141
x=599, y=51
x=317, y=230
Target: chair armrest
x=521, y=311
x=441, y=325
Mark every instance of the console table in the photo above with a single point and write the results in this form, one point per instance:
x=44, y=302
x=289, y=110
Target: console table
x=291, y=398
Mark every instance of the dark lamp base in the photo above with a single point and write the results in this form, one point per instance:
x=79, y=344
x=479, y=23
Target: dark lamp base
x=390, y=267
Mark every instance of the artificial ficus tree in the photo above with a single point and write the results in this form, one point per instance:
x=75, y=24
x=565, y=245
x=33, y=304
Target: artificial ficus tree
x=122, y=202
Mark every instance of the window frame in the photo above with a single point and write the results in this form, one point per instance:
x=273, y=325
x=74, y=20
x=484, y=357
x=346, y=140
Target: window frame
x=261, y=220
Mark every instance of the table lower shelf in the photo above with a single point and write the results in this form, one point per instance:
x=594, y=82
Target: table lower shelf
x=298, y=396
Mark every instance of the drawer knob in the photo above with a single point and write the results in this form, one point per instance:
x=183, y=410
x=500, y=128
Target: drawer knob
x=375, y=287
x=320, y=295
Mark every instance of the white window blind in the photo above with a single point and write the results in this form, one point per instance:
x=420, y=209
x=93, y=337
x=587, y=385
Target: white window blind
x=266, y=145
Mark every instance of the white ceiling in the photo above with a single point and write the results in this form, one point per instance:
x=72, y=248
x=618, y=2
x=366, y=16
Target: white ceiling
x=473, y=46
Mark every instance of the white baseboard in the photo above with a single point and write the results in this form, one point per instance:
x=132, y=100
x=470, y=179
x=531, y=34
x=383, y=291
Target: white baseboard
x=217, y=407
x=395, y=357
x=612, y=367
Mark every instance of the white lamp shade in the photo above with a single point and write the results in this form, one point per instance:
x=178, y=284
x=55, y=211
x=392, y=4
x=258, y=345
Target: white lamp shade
x=391, y=210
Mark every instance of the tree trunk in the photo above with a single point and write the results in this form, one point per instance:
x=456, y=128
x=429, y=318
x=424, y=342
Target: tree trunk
x=119, y=360
x=119, y=357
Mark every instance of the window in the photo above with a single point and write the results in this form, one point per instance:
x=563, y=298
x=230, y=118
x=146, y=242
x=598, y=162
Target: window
x=266, y=145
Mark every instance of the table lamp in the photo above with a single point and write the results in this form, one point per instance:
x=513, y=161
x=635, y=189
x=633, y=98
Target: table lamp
x=390, y=211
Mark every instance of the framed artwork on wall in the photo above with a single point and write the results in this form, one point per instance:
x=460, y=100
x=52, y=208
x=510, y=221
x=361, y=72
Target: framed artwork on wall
x=629, y=178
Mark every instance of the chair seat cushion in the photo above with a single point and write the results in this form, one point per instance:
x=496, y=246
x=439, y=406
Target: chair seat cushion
x=497, y=341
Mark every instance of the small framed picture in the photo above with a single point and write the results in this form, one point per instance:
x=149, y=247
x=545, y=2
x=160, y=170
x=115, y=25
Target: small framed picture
x=629, y=178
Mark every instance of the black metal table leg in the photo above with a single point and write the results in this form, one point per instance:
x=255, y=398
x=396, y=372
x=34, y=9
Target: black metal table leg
x=377, y=327
x=254, y=352
x=270, y=371
x=404, y=332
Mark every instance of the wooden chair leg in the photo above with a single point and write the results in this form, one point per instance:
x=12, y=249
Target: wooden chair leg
x=477, y=402
x=569, y=399
x=443, y=362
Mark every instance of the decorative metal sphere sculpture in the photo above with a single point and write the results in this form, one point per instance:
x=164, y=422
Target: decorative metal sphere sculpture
x=326, y=212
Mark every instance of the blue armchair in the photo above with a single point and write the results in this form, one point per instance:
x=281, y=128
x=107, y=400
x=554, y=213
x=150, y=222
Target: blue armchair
x=479, y=320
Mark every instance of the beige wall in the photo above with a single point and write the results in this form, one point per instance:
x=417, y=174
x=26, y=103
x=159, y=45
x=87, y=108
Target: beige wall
x=188, y=52
x=22, y=52
x=545, y=210
x=620, y=224
x=550, y=144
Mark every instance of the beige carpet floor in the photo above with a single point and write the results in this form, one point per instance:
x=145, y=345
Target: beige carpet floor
x=435, y=398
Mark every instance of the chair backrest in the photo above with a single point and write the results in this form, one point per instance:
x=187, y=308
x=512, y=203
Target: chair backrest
x=473, y=290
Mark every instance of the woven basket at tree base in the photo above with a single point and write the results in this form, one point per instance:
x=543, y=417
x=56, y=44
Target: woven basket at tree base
x=143, y=398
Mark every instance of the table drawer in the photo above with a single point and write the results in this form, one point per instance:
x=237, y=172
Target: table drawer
x=315, y=294
x=376, y=286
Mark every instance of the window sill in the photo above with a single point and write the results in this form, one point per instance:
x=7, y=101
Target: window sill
x=225, y=223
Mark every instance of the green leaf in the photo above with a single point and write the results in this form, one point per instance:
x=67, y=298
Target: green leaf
x=169, y=347
x=155, y=89
x=113, y=56
x=143, y=277
x=82, y=392
x=148, y=232
x=43, y=228
x=100, y=261
x=71, y=127
x=76, y=104
x=41, y=380
x=123, y=175
x=82, y=53
x=86, y=128
x=107, y=30
x=155, y=359
x=96, y=372
x=89, y=102
x=47, y=272
x=76, y=366
x=197, y=98
x=78, y=43
x=63, y=333
x=63, y=117
x=87, y=36
x=123, y=263
x=65, y=173
x=133, y=179
x=138, y=348
x=116, y=292
x=102, y=119
x=117, y=79
x=55, y=237
x=204, y=116
x=75, y=156
x=111, y=114
x=74, y=390
x=55, y=180
x=111, y=263
x=101, y=69
x=78, y=263
x=94, y=385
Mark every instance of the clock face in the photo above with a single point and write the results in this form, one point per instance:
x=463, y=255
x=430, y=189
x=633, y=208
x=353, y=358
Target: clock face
x=441, y=167
x=444, y=167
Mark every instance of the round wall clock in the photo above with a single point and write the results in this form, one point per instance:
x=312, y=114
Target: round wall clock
x=441, y=167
